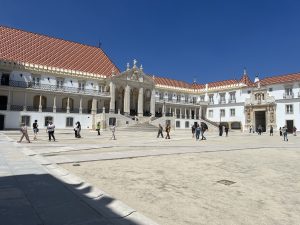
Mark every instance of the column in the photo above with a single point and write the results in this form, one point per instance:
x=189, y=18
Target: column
x=94, y=106
x=141, y=102
x=164, y=109
x=54, y=104
x=80, y=105
x=68, y=105
x=152, y=103
x=185, y=113
x=200, y=112
x=170, y=112
x=195, y=113
x=112, y=97
x=8, y=100
x=180, y=113
x=190, y=113
x=175, y=112
x=25, y=103
x=127, y=101
x=40, y=103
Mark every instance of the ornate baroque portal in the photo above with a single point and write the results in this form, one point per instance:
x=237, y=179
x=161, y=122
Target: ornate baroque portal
x=260, y=110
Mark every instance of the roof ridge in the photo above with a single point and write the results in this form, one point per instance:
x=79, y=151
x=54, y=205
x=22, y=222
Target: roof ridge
x=282, y=75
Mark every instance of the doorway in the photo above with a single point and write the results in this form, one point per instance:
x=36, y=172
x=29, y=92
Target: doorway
x=290, y=125
x=5, y=79
x=260, y=119
x=1, y=122
x=3, y=102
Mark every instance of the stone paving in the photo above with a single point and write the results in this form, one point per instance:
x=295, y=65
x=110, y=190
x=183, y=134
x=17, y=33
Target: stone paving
x=240, y=179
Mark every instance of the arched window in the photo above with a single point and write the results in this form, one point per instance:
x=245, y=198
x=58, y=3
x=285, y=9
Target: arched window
x=36, y=102
x=65, y=104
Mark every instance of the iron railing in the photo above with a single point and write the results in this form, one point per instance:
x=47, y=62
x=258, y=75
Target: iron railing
x=55, y=88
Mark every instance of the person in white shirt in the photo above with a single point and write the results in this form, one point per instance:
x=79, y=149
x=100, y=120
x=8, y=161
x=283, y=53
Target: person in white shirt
x=50, y=130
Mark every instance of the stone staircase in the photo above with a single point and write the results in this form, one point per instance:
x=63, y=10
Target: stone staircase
x=144, y=127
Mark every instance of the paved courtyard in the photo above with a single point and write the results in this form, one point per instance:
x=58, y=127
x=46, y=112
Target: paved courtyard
x=240, y=179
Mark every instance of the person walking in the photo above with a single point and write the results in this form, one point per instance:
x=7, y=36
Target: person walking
x=220, y=130
x=78, y=126
x=259, y=129
x=113, y=130
x=50, y=130
x=226, y=130
x=203, y=129
x=198, y=131
x=168, y=129
x=35, y=129
x=160, y=131
x=250, y=129
x=193, y=130
x=284, y=131
x=280, y=131
x=75, y=130
x=295, y=131
x=271, y=130
x=24, y=132
x=98, y=128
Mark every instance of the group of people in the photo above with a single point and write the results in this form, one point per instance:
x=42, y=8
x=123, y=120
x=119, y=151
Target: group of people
x=199, y=129
x=50, y=130
x=283, y=131
x=160, y=131
x=222, y=129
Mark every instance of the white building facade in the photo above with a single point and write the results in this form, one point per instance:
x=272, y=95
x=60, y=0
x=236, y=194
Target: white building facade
x=74, y=82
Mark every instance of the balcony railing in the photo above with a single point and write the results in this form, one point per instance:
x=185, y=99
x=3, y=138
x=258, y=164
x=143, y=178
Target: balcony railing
x=232, y=100
x=176, y=101
x=55, y=88
x=288, y=95
x=48, y=109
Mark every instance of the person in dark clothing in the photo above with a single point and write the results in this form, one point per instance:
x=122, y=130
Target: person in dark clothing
x=168, y=129
x=220, y=130
x=259, y=129
x=203, y=129
x=160, y=131
x=193, y=130
x=271, y=130
x=280, y=131
x=35, y=129
x=78, y=126
x=198, y=131
x=226, y=131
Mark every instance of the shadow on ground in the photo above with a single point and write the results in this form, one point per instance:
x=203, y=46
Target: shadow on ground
x=44, y=200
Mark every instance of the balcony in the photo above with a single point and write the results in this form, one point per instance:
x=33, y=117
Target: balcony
x=232, y=101
x=288, y=95
x=55, y=88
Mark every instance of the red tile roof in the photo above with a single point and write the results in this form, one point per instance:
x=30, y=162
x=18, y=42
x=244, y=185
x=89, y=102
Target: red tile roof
x=171, y=82
x=246, y=80
x=280, y=79
x=22, y=46
x=222, y=83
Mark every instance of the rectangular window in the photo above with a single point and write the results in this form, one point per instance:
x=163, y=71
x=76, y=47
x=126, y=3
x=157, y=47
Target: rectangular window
x=202, y=97
x=270, y=89
x=177, y=123
x=170, y=96
x=81, y=86
x=211, y=113
x=35, y=81
x=25, y=120
x=232, y=112
x=194, y=100
x=69, y=122
x=222, y=112
x=187, y=124
x=222, y=99
x=289, y=109
x=249, y=92
x=47, y=119
x=161, y=96
x=186, y=99
x=178, y=98
x=59, y=83
x=211, y=99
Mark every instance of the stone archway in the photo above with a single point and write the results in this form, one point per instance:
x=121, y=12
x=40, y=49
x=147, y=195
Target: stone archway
x=119, y=103
x=147, y=102
x=134, y=95
x=36, y=102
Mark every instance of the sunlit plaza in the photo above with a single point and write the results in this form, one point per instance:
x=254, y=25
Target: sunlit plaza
x=240, y=179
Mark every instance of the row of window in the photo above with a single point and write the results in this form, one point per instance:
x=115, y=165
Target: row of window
x=27, y=121
x=222, y=113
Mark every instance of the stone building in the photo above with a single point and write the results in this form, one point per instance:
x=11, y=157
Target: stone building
x=45, y=78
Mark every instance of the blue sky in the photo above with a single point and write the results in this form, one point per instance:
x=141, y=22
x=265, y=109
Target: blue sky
x=182, y=39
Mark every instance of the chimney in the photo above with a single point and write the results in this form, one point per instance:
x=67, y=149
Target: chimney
x=256, y=79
